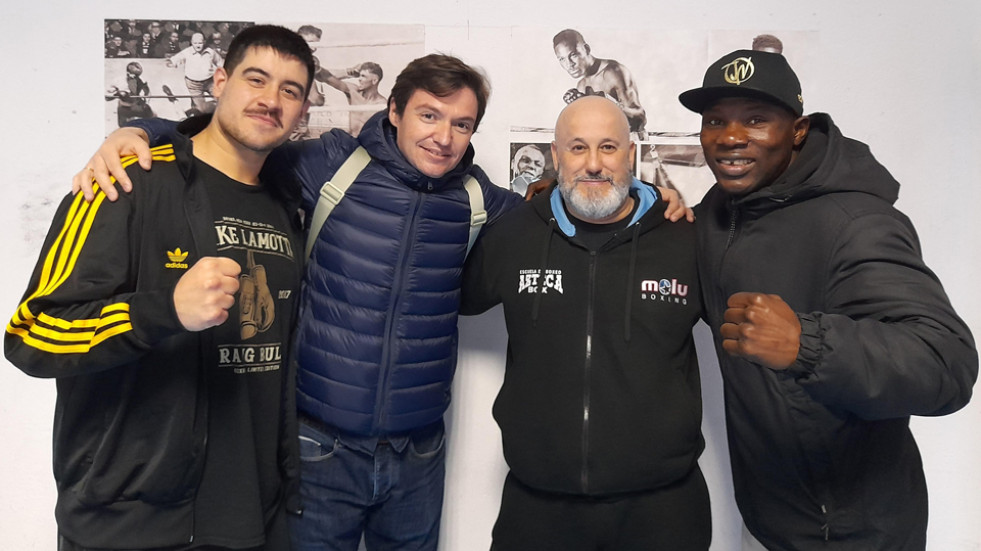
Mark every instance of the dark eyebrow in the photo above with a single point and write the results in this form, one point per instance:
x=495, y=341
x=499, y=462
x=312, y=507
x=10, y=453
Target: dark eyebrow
x=431, y=107
x=256, y=70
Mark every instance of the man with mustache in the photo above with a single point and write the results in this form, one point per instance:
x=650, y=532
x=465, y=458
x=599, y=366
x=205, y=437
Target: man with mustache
x=175, y=426
x=600, y=410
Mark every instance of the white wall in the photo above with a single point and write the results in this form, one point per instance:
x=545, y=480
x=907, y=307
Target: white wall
x=902, y=77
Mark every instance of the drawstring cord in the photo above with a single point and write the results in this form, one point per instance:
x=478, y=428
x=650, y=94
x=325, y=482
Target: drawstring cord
x=542, y=265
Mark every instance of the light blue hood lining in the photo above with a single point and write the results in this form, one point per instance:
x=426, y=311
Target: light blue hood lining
x=645, y=195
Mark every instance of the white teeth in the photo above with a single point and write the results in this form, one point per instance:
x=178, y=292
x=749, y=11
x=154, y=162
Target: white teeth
x=735, y=162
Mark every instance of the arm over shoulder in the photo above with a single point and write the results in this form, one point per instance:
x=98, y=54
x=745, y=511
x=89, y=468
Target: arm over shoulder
x=159, y=131
x=310, y=162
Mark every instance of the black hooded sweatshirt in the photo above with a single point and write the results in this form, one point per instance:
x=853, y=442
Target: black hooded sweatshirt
x=601, y=395
x=822, y=455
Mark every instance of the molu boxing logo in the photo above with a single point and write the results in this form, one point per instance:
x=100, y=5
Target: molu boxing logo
x=664, y=290
x=738, y=70
x=532, y=281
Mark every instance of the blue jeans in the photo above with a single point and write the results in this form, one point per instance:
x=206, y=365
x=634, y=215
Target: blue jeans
x=394, y=497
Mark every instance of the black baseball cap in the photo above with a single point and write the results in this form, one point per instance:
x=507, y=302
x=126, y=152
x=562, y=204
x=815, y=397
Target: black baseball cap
x=748, y=73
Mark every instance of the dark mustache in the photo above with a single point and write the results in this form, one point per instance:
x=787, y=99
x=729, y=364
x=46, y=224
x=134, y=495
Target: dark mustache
x=608, y=179
x=265, y=113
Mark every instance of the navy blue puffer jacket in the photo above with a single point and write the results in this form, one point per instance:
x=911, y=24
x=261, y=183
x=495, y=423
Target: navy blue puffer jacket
x=377, y=332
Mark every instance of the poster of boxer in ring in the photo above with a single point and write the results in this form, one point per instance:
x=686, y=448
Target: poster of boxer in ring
x=165, y=68
x=162, y=68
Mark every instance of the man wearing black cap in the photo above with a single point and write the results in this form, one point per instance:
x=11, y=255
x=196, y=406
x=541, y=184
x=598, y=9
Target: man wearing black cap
x=829, y=328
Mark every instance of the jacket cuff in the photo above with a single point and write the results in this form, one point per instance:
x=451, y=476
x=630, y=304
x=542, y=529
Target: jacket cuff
x=810, y=351
x=154, y=316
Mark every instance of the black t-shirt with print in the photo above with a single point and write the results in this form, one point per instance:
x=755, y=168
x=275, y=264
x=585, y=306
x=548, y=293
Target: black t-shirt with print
x=241, y=486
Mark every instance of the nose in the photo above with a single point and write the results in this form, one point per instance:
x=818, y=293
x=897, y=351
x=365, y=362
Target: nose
x=443, y=133
x=269, y=98
x=594, y=162
x=733, y=134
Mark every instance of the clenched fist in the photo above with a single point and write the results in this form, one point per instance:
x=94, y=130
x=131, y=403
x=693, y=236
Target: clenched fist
x=206, y=292
x=761, y=328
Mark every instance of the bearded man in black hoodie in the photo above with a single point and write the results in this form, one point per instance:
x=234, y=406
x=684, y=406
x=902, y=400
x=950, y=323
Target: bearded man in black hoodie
x=829, y=328
x=600, y=410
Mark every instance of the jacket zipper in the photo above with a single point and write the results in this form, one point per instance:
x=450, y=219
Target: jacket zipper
x=587, y=365
x=733, y=217
x=733, y=221
x=385, y=366
x=826, y=527
x=205, y=342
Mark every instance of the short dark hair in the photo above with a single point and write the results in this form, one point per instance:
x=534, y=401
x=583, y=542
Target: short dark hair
x=284, y=41
x=372, y=67
x=569, y=37
x=441, y=75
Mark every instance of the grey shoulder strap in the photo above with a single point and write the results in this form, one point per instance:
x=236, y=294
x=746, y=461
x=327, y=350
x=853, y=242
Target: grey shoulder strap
x=478, y=216
x=333, y=191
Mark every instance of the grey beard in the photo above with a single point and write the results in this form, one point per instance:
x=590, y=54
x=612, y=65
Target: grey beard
x=587, y=208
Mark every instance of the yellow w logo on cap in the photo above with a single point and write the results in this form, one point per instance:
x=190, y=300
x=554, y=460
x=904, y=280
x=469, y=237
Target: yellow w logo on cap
x=738, y=70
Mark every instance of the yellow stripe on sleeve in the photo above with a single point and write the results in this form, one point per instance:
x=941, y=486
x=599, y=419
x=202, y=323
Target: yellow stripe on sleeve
x=53, y=334
x=62, y=336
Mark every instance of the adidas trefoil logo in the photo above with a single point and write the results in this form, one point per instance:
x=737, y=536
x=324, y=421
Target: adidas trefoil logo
x=177, y=257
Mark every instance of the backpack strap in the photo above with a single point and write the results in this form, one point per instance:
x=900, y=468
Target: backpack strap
x=333, y=191
x=478, y=216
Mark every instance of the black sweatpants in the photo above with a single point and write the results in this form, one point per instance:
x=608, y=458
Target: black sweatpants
x=672, y=518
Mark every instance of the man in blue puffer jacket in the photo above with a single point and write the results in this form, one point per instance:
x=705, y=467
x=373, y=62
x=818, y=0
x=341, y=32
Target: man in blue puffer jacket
x=378, y=324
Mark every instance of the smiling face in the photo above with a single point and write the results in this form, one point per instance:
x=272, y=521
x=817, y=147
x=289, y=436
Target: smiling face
x=261, y=101
x=592, y=152
x=749, y=143
x=434, y=132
